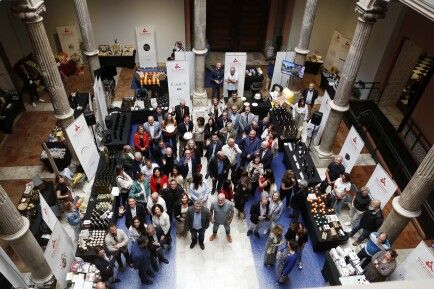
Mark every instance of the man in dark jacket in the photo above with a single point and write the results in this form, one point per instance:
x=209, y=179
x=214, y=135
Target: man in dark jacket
x=197, y=221
x=184, y=126
x=266, y=155
x=155, y=245
x=134, y=210
x=171, y=195
x=309, y=95
x=259, y=213
x=218, y=169
x=181, y=110
x=214, y=146
x=105, y=264
x=298, y=199
x=371, y=220
x=141, y=257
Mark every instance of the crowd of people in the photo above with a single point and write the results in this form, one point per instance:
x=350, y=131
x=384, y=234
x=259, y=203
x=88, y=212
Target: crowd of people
x=162, y=190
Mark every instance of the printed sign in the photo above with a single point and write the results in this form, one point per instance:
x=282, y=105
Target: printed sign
x=178, y=81
x=278, y=76
x=238, y=61
x=351, y=149
x=47, y=213
x=418, y=265
x=69, y=41
x=146, y=46
x=190, y=58
x=381, y=185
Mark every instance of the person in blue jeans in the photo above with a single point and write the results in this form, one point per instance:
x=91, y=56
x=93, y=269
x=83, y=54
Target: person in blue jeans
x=286, y=260
x=371, y=220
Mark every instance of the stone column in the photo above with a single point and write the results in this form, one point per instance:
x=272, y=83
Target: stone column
x=91, y=50
x=407, y=206
x=301, y=50
x=30, y=11
x=199, y=94
x=367, y=18
x=14, y=229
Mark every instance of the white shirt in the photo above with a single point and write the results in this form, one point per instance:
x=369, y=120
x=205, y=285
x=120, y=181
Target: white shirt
x=190, y=169
x=163, y=221
x=231, y=153
x=133, y=211
x=340, y=188
x=151, y=130
x=148, y=171
x=309, y=97
x=124, y=181
x=300, y=110
x=232, y=86
x=160, y=201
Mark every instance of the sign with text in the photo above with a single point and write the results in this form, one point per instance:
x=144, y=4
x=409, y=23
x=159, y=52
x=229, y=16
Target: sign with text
x=190, y=58
x=381, y=185
x=59, y=254
x=237, y=60
x=47, y=213
x=351, y=149
x=278, y=76
x=419, y=264
x=69, y=43
x=84, y=146
x=325, y=109
x=178, y=80
x=147, y=52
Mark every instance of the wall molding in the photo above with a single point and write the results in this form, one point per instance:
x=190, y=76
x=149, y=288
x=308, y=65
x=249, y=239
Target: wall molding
x=424, y=7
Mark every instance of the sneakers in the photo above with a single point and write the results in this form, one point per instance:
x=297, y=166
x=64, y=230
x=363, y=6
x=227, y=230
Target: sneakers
x=300, y=266
x=249, y=232
x=229, y=238
x=212, y=237
x=347, y=224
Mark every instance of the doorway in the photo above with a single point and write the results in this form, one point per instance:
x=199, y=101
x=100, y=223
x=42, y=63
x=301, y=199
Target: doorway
x=236, y=25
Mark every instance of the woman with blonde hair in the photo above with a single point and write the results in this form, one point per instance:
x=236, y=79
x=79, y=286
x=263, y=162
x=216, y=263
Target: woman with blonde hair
x=169, y=131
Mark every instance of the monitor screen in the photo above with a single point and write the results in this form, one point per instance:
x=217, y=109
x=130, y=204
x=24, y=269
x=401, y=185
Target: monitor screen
x=292, y=68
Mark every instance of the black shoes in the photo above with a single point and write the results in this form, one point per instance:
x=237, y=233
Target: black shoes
x=202, y=246
x=147, y=281
x=192, y=245
x=256, y=234
x=122, y=269
x=117, y=280
x=164, y=260
x=155, y=267
x=249, y=232
x=151, y=274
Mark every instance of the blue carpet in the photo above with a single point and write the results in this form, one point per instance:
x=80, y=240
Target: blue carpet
x=313, y=262
x=133, y=131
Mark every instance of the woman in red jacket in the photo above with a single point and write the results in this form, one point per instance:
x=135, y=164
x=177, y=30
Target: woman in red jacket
x=158, y=181
x=228, y=190
x=141, y=141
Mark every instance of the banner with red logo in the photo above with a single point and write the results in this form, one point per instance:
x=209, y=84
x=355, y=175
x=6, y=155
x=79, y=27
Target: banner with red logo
x=237, y=60
x=178, y=81
x=351, y=149
x=278, y=76
x=84, y=146
x=190, y=58
x=146, y=48
x=418, y=265
x=47, y=213
x=381, y=185
x=59, y=254
x=69, y=43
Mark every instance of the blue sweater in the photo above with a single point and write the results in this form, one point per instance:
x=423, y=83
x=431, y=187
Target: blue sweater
x=372, y=248
x=289, y=264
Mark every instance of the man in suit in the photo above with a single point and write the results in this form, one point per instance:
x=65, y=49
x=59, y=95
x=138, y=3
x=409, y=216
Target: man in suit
x=181, y=110
x=105, y=264
x=249, y=145
x=234, y=116
x=183, y=127
x=266, y=155
x=217, y=75
x=246, y=118
x=159, y=115
x=155, y=245
x=222, y=120
x=141, y=256
x=127, y=158
x=134, y=210
x=256, y=125
x=197, y=221
x=188, y=168
x=136, y=165
x=309, y=95
x=259, y=214
x=153, y=128
x=228, y=132
x=214, y=146
x=218, y=169
x=171, y=195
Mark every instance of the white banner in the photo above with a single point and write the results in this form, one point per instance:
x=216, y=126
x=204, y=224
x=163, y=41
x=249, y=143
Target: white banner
x=337, y=52
x=84, y=146
x=59, y=254
x=381, y=185
x=351, y=149
x=418, y=265
x=68, y=39
x=147, y=52
x=100, y=100
x=178, y=81
x=278, y=76
x=10, y=271
x=47, y=213
x=238, y=60
x=325, y=109
x=190, y=58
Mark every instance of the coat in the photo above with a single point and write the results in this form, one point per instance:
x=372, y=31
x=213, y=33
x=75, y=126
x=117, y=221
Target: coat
x=205, y=217
x=146, y=140
x=182, y=129
x=371, y=222
x=154, y=183
x=177, y=209
x=218, y=147
x=183, y=166
x=314, y=96
x=255, y=212
x=380, y=273
x=246, y=120
x=267, y=159
x=178, y=115
x=141, y=257
x=140, y=213
x=213, y=167
x=157, y=130
x=249, y=147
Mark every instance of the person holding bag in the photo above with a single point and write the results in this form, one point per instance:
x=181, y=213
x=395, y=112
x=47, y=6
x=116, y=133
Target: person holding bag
x=286, y=260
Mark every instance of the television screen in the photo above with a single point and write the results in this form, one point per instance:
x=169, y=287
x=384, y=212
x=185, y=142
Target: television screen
x=292, y=68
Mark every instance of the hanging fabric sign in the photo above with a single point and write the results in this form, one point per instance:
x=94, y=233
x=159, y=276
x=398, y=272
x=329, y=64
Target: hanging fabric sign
x=146, y=48
x=418, y=265
x=381, y=185
x=69, y=41
x=178, y=81
x=351, y=149
x=189, y=57
x=238, y=61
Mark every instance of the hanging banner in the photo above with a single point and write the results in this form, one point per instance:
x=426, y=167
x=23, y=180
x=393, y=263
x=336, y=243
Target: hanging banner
x=190, y=58
x=237, y=60
x=69, y=43
x=351, y=149
x=178, y=81
x=10, y=271
x=418, y=265
x=325, y=109
x=337, y=52
x=278, y=76
x=59, y=254
x=381, y=185
x=47, y=213
x=84, y=146
x=100, y=100
x=147, y=52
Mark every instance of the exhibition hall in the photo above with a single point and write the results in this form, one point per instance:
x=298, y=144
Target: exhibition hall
x=216, y=144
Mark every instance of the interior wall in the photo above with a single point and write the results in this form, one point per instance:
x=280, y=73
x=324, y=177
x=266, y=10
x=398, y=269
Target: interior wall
x=422, y=114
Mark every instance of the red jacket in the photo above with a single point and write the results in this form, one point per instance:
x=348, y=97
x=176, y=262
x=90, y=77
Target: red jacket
x=229, y=194
x=154, y=183
x=137, y=145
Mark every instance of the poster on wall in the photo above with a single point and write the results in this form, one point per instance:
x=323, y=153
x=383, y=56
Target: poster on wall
x=69, y=43
x=178, y=81
x=419, y=264
x=84, y=146
x=147, y=52
x=325, y=109
x=381, y=185
x=238, y=61
x=190, y=58
x=351, y=149
x=47, y=213
x=337, y=52
x=59, y=254
x=278, y=76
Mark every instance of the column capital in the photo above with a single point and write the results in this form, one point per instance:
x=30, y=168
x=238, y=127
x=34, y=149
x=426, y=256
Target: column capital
x=402, y=211
x=91, y=53
x=371, y=10
x=29, y=11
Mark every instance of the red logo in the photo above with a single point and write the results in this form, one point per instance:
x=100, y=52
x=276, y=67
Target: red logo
x=145, y=30
x=45, y=211
x=177, y=66
x=235, y=60
x=77, y=127
x=355, y=140
x=383, y=181
x=429, y=265
x=53, y=243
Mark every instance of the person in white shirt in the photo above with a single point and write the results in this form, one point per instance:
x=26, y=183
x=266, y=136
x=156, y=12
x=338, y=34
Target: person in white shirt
x=199, y=189
x=116, y=242
x=340, y=192
x=161, y=219
x=124, y=182
x=148, y=169
x=232, y=151
x=300, y=114
x=153, y=200
x=232, y=81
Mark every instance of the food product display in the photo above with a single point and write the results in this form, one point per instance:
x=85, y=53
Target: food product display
x=89, y=239
x=82, y=275
x=29, y=203
x=347, y=263
x=105, y=177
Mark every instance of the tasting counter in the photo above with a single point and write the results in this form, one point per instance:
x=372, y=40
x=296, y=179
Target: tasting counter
x=297, y=158
x=120, y=130
x=118, y=60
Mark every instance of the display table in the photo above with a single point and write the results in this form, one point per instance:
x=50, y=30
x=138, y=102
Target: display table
x=327, y=77
x=297, y=158
x=82, y=275
x=120, y=130
x=329, y=270
x=118, y=61
x=312, y=67
x=323, y=225
x=254, y=77
x=9, y=110
x=61, y=155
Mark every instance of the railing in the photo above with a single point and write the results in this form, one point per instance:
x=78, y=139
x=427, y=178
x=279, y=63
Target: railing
x=418, y=135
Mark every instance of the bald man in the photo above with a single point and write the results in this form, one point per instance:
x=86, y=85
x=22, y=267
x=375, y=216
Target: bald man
x=217, y=80
x=100, y=285
x=370, y=221
x=232, y=81
x=222, y=212
x=266, y=155
x=309, y=95
x=334, y=170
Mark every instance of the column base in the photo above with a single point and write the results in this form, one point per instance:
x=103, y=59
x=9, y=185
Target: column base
x=402, y=211
x=321, y=154
x=46, y=282
x=301, y=51
x=200, y=99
